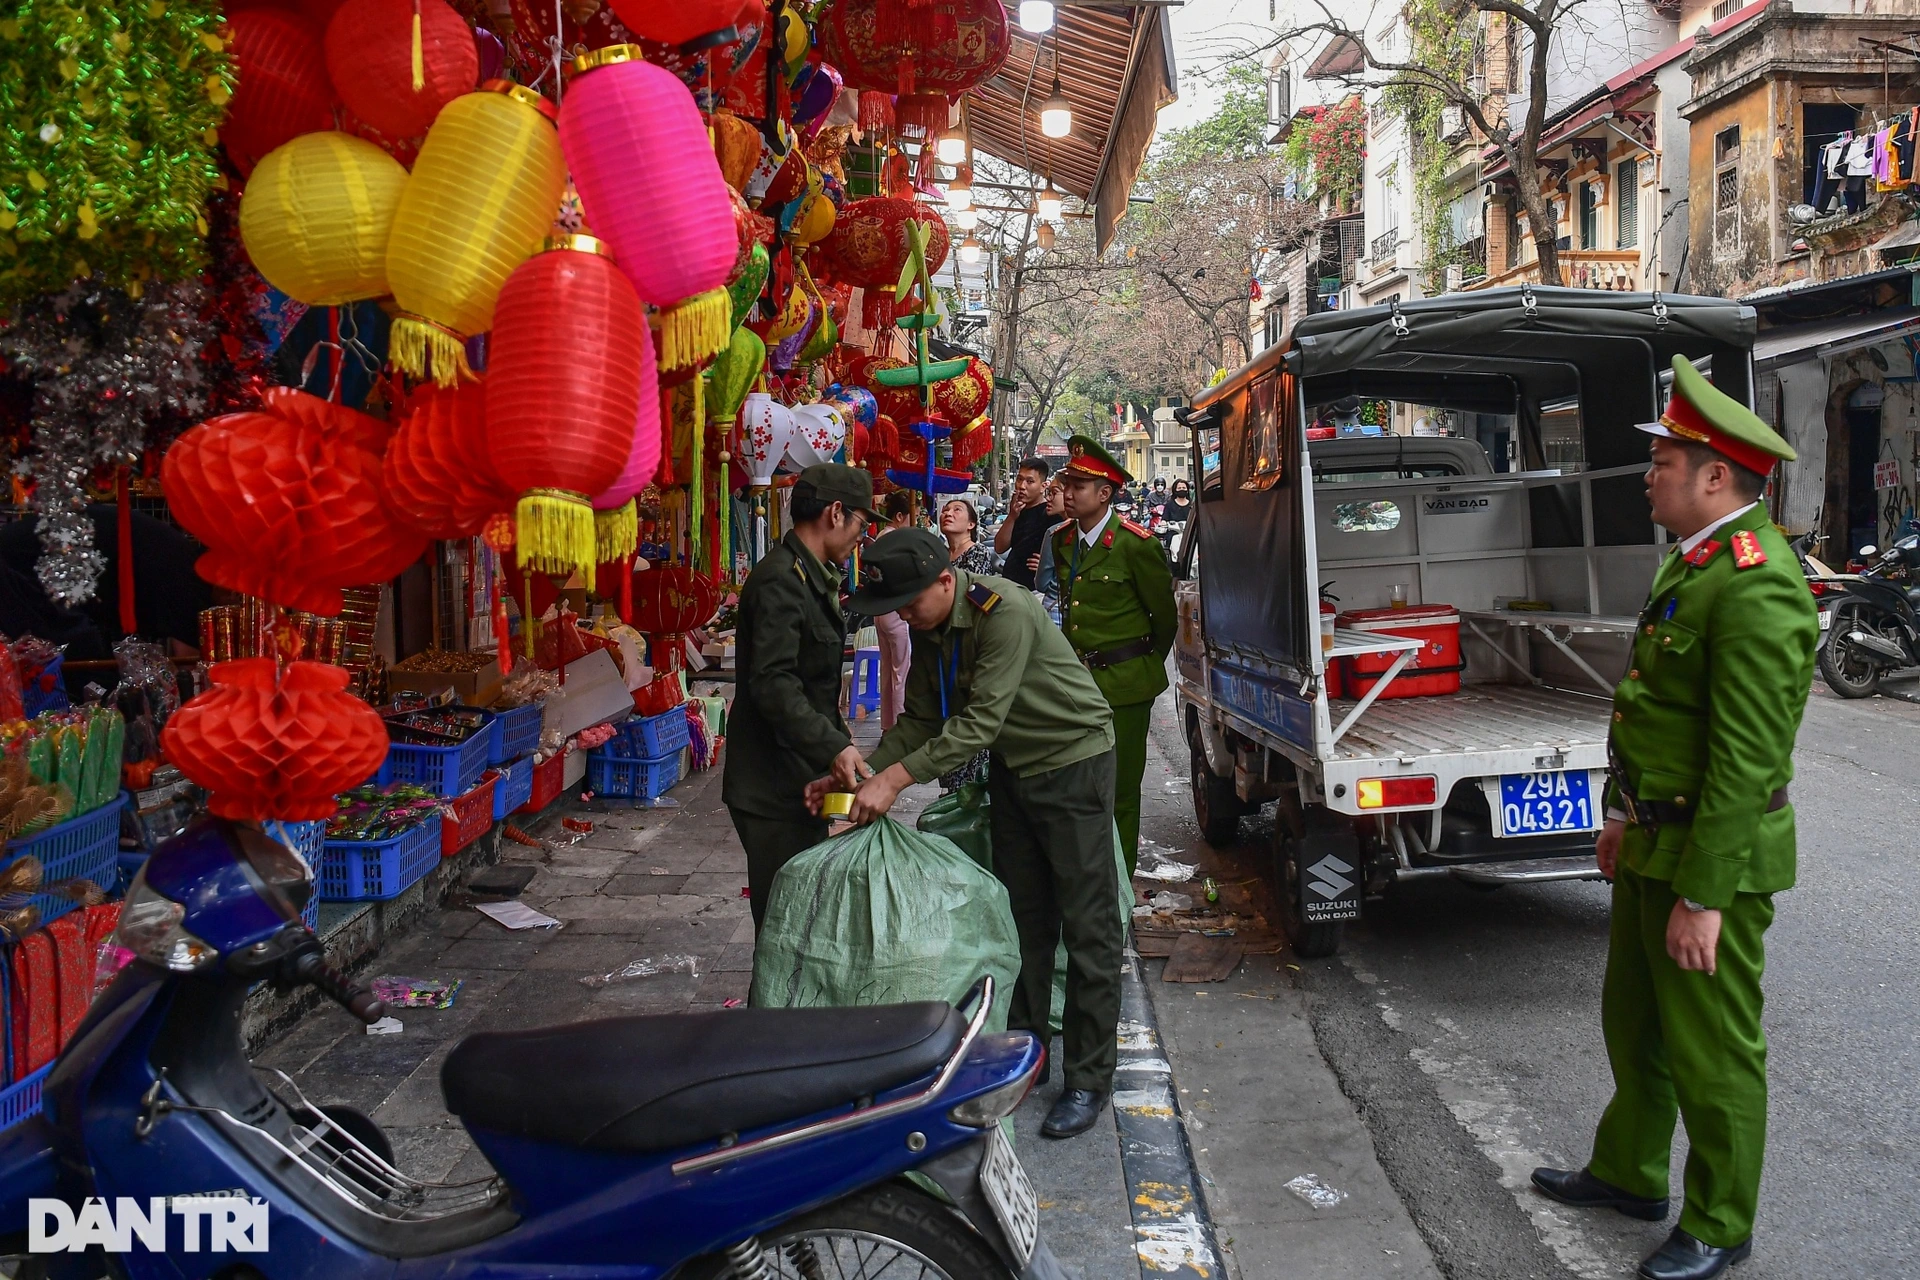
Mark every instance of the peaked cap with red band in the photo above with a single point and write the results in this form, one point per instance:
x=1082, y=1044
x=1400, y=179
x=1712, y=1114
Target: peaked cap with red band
x=1089, y=458
x=1700, y=413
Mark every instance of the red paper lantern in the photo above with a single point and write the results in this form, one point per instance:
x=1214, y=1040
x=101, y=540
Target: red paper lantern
x=287, y=500
x=868, y=247
x=668, y=601
x=900, y=404
x=281, y=88
x=676, y=22
x=438, y=473
x=564, y=381
x=928, y=52
x=371, y=47
x=960, y=400
x=271, y=744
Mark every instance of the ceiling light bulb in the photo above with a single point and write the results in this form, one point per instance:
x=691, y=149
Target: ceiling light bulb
x=1044, y=237
x=951, y=148
x=1056, y=113
x=1051, y=205
x=969, y=251
x=1036, y=16
x=966, y=219
x=959, y=195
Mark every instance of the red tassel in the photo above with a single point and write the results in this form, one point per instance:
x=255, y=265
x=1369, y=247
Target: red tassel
x=665, y=475
x=123, y=524
x=876, y=112
x=904, y=71
x=925, y=112
x=626, y=590
x=973, y=444
x=502, y=642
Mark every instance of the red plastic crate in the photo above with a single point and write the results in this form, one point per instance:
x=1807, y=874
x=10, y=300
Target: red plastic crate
x=549, y=780
x=468, y=817
x=73, y=970
x=34, y=1004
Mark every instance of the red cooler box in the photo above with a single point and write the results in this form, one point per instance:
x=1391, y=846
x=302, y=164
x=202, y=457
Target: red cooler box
x=1436, y=666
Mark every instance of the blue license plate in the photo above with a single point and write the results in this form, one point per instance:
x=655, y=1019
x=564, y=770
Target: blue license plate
x=1535, y=804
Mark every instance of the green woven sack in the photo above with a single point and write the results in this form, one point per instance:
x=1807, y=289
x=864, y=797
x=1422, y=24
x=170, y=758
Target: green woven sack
x=884, y=915
x=961, y=816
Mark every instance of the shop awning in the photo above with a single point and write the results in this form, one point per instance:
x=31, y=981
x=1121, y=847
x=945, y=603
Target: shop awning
x=1116, y=68
x=1901, y=237
x=1789, y=344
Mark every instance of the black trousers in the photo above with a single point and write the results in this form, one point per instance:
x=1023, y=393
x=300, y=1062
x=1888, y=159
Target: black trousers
x=771, y=843
x=1053, y=849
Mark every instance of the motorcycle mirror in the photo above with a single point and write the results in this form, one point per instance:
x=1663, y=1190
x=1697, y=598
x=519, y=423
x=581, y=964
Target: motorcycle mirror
x=1868, y=550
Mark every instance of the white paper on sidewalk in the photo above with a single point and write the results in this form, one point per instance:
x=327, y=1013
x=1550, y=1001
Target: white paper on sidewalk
x=516, y=915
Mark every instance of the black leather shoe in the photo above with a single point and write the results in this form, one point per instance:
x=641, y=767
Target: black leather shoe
x=1074, y=1113
x=1581, y=1189
x=1684, y=1258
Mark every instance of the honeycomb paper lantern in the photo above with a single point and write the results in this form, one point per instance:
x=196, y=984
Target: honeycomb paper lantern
x=438, y=475
x=271, y=744
x=281, y=88
x=564, y=382
x=482, y=196
x=396, y=63
x=316, y=214
x=288, y=501
x=651, y=187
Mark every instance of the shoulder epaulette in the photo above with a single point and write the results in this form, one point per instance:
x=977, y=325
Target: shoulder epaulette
x=800, y=568
x=1058, y=528
x=1746, y=550
x=1702, y=553
x=982, y=597
x=1133, y=528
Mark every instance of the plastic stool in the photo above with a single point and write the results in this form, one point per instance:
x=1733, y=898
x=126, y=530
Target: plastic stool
x=864, y=698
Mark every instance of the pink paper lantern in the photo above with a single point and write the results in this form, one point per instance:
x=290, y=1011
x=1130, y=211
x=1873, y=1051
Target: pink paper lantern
x=650, y=186
x=643, y=459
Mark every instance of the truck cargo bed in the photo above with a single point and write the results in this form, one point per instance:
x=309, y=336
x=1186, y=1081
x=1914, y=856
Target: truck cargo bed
x=1480, y=718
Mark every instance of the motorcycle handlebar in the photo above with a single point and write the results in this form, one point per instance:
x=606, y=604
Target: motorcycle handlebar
x=314, y=970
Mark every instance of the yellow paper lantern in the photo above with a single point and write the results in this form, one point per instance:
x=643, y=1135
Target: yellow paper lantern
x=817, y=214
x=482, y=198
x=792, y=317
x=316, y=215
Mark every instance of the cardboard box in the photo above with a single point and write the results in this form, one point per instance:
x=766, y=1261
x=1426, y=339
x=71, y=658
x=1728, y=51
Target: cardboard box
x=474, y=688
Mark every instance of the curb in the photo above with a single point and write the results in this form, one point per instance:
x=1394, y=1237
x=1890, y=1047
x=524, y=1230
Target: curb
x=1173, y=1232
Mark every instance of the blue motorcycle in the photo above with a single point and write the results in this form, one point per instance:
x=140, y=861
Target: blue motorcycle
x=749, y=1143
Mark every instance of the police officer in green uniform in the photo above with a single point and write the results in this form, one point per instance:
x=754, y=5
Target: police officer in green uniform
x=785, y=728
x=991, y=673
x=1116, y=608
x=1699, y=837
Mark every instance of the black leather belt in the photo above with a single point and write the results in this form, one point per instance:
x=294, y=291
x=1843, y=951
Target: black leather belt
x=1101, y=659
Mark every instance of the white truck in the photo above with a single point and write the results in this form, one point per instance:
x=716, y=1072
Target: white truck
x=1544, y=546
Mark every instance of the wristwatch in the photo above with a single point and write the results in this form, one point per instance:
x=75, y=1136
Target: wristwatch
x=1695, y=907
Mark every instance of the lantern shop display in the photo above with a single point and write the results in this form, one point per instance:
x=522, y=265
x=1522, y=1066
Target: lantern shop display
x=651, y=187
x=288, y=501
x=482, y=196
x=928, y=54
x=564, y=385
x=316, y=216
x=396, y=63
x=869, y=248
x=275, y=744
x=282, y=90
x=438, y=474
x=766, y=432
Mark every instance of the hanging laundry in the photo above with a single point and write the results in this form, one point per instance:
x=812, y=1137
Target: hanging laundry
x=1859, y=160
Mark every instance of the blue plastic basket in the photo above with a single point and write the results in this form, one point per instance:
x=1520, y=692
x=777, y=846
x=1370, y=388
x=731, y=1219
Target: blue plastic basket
x=446, y=771
x=82, y=848
x=370, y=870
x=310, y=839
x=613, y=778
x=21, y=1100
x=514, y=787
x=515, y=733
x=649, y=737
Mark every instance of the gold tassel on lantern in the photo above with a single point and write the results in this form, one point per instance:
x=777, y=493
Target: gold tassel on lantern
x=417, y=343
x=616, y=533
x=556, y=533
x=419, y=54
x=695, y=328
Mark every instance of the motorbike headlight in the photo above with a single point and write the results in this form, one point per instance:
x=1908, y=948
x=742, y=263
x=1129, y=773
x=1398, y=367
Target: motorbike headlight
x=150, y=930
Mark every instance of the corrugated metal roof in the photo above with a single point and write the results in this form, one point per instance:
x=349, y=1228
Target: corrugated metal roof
x=1790, y=343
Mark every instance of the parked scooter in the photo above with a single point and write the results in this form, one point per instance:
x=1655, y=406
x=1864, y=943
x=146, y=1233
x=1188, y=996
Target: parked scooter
x=748, y=1143
x=1870, y=628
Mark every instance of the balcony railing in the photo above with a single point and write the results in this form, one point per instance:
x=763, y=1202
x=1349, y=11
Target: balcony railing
x=1384, y=245
x=1612, y=269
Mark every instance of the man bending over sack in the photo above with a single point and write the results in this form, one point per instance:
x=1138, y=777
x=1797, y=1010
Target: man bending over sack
x=991, y=672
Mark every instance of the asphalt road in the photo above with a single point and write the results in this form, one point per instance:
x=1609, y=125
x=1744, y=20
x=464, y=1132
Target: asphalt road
x=1464, y=1027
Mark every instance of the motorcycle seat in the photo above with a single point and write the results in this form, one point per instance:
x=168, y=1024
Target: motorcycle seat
x=653, y=1083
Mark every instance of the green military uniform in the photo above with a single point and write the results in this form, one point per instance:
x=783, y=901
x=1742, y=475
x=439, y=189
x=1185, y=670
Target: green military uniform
x=997, y=676
x=1702, y=747
x=1117, y=610
x=785, y=726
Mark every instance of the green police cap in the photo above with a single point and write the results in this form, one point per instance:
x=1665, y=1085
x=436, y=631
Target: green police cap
x=896, y=568
x=1701, y=413
x=1090, y=458
x=851, y=487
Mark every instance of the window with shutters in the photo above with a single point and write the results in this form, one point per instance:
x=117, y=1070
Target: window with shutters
x=1726, y=186
x=1626, y=180
x=1589, y=216
x=1727, y=8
